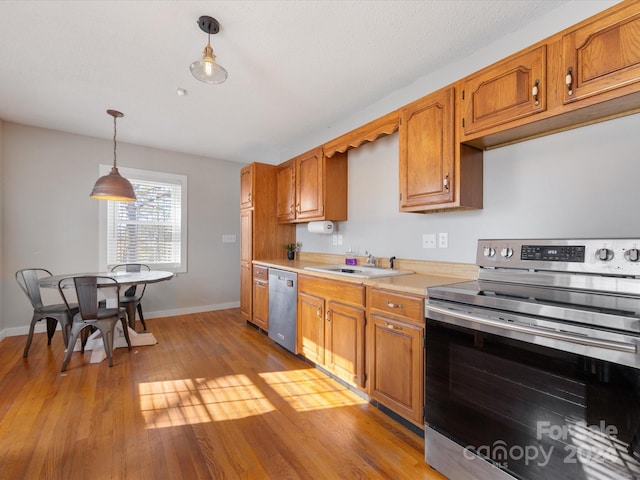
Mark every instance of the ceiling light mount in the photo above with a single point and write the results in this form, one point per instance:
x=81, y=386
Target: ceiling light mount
x=207, y=70
x=114, y=186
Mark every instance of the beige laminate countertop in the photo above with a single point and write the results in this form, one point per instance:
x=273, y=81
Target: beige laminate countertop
x=415, y=283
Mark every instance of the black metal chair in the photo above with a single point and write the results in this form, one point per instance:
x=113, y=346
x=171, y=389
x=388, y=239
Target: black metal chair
x=93, y=312
x=28, y=279
x=133, y=295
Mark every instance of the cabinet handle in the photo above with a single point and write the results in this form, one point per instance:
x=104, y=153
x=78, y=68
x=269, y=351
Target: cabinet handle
x=394, y=305
x=260, y=285
x=445, y=183
x=249, y=196
x=569, y=80
x=319, y=312
x=291, y=208
x=298, y=208
x=326, y=315
x=534, y=92
x=392, y=327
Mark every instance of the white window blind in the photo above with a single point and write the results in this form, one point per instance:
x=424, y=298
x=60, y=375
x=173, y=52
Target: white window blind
x=151, y=229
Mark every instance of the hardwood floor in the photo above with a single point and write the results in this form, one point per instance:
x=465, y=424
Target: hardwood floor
x=214, y=399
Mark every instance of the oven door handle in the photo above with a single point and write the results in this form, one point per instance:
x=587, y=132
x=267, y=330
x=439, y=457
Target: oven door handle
x=555, y=335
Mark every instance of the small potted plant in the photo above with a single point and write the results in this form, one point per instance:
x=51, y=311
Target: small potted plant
x=291, y=249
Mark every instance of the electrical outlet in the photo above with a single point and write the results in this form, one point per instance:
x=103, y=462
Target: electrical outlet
x=443, y=240
x=428, y=240
x=335, y=240
x=339, y=239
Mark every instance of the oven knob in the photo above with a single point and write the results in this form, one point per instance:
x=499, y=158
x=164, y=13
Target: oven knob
x=604, y=254
x=489, y=252
x=633, y=255
x=506, y=252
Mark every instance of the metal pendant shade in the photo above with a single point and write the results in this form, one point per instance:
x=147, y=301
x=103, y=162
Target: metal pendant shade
x=114, y=186
x=207, y=70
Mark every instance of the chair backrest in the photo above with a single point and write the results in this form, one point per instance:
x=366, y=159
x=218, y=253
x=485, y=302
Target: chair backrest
x=132, y=267
x=87, y=290
x=28, y=279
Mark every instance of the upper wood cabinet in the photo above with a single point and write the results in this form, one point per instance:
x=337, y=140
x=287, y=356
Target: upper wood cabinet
x=602, y=55
x=246, y=186
x=508, y=90
x=435, y=173
x=312, y=187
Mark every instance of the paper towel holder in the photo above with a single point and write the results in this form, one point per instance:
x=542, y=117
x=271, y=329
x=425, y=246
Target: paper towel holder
x=325, y=227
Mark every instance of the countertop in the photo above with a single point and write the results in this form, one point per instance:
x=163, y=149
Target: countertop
x=415, y=283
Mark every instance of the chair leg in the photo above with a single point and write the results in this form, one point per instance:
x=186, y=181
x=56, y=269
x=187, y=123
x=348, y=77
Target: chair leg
x=131, y=314
x=75, y=332
x=144, y=325
x=34, y=319
x=107, y=340
x=52, y=323
x=125, y=330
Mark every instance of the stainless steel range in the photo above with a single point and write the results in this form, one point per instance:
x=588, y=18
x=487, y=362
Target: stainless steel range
x=533, y=370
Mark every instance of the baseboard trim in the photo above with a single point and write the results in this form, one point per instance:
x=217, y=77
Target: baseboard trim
x=41, y=327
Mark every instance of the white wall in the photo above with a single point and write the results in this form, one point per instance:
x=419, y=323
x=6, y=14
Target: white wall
x=580, y=183
x=49, y=220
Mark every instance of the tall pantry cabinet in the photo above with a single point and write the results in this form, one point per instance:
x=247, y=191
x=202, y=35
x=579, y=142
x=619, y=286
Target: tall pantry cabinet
x=261, y=237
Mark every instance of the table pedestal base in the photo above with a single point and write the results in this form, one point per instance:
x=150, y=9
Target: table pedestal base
x=95, y=344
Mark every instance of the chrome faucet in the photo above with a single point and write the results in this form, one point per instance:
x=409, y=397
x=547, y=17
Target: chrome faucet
x=391, y=260
x=371, y=260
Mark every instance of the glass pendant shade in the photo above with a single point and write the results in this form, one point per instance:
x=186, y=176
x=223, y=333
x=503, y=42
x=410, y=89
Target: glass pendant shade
x=207, y=70
x=114, y=186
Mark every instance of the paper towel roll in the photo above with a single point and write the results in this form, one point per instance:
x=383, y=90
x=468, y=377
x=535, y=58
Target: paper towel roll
x=320, y=227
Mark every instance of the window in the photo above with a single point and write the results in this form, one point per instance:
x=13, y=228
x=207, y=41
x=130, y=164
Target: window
x=152, y=229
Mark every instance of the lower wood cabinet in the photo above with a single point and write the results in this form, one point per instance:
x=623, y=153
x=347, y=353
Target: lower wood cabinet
x=261, y=297
x=396, y=353
x=331, y=326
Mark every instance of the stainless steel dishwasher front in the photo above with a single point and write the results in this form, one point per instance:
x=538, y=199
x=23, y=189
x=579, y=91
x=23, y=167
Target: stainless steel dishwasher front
x=283, y=299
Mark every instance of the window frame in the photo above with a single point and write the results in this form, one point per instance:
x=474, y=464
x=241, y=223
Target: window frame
x=149, y=175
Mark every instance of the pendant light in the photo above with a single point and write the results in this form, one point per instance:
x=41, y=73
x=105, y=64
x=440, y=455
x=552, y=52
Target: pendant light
x=114, y=186
x=207, y=70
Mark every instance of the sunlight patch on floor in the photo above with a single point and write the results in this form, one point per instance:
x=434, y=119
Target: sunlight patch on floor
x=309, y=389
x=190, y=401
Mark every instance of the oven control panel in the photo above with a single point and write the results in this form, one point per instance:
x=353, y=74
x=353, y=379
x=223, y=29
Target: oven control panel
x=602, y=256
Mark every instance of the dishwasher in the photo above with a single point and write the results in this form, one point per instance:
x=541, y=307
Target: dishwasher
x=283, y=293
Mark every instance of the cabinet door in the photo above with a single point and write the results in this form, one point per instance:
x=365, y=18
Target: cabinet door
x=344, y=349
x=309, y=186
x=245, y=290
x=602, y=55
x=286, y=192
x=246, y=187
x=311, y=327
x=260, y=304
x=398, y=366
x=246, y=236
x=507, y=91
x=427, y=150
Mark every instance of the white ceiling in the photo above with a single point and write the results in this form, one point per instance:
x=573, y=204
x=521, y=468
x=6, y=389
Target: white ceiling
x=295, y=67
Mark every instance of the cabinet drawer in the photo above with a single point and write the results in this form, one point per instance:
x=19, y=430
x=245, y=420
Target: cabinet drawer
x=405, y=306
x=260, y=273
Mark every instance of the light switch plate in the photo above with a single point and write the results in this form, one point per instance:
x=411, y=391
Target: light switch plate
x=443, y=240
x=231, y=238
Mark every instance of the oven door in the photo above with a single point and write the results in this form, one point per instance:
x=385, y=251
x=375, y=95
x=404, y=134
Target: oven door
x=537, y=402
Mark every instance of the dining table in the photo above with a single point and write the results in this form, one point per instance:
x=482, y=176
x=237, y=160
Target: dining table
x=124, y=279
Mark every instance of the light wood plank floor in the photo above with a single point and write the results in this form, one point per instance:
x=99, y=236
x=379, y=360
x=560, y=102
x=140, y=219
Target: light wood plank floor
x=214, y=399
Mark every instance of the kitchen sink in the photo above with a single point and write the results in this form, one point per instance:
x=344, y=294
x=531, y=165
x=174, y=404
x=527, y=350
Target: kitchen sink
x=358, y=271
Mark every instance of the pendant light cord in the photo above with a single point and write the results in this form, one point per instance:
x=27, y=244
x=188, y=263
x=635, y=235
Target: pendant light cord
x=114, y=142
